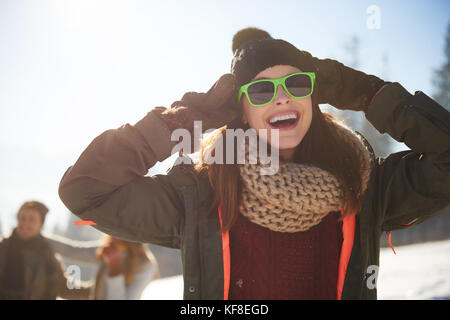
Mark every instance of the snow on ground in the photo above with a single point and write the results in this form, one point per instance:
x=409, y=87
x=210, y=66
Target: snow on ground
x=419, y=271
x=170, y=288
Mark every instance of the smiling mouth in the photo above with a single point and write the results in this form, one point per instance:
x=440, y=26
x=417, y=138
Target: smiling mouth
x=284, y=121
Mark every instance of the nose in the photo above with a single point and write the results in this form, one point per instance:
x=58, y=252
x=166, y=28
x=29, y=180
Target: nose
x=281, y=97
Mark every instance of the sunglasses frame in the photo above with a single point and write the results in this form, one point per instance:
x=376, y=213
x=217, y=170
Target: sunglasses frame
x=276, y=82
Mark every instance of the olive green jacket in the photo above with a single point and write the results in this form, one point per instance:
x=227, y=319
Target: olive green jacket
x=108, y=185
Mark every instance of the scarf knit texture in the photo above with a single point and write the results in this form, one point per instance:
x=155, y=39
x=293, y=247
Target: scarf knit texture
x=298, y=196
x=286, y=242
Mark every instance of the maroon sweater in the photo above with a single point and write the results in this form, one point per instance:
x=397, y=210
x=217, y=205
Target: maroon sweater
x=277, y=265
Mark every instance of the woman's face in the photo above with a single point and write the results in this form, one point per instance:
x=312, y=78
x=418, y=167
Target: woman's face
x=29, y=224
x=290, y=133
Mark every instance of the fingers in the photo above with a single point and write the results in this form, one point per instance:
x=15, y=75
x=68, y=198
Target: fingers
x=176, y=104
x=328, y=80
x=216, y=96
x=223, y=88
x=214, y=118
x=224, y=116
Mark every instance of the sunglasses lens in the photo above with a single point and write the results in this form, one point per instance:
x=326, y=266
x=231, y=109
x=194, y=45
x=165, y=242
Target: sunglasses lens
x=260, y=92
x=299, y=85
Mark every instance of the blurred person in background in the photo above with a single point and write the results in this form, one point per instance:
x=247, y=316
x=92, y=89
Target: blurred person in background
x=124, y=268
x=28, y=267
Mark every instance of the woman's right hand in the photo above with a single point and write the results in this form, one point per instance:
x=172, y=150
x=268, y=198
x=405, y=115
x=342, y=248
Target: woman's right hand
x=342, y=87
x=214, y=108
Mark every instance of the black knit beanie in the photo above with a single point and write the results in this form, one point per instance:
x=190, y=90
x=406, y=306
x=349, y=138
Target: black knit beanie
x=255, y=50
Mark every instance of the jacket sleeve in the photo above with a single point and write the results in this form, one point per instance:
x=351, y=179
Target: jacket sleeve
x=411, y=186
x=108, y=186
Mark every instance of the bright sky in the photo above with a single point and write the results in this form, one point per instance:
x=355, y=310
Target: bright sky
x=71, y=69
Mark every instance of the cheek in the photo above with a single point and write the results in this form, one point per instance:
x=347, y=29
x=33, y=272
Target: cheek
x=306, y=109
x=307, y=117
x=21, y=221
x=254, y=116
x=36, y=224
x=30, y=222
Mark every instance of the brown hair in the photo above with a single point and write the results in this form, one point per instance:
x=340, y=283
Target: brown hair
x=35, y=205
x=320, y=147
x=133, y=251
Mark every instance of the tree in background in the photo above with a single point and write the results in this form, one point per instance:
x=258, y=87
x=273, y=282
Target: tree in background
x=382, y=144
x=441, y=80
x=437, y=228
x=434, y=229
x=352, y=48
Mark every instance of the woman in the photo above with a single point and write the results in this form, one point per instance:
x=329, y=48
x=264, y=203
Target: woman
x=309, y=231
x=28, y=268
x=124, y=268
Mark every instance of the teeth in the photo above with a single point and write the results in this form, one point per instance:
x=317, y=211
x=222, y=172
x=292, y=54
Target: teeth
x=283, y=117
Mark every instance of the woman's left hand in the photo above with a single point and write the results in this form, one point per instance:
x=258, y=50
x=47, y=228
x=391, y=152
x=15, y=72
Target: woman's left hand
x=343, y=87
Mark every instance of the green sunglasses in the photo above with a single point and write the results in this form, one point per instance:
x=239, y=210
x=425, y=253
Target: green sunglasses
x=262, y=92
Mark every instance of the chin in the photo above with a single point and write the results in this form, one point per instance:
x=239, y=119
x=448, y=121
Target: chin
x=23, y=235
x=289, y=142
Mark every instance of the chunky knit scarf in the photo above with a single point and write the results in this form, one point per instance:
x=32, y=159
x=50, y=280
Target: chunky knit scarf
x=298, y=196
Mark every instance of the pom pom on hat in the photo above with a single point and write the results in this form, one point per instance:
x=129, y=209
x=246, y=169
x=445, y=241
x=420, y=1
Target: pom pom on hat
x=255, y=50
x=247, y=34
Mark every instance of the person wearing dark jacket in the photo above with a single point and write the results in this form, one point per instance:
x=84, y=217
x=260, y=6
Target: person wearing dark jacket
x=312, y=229
x=28, y=267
